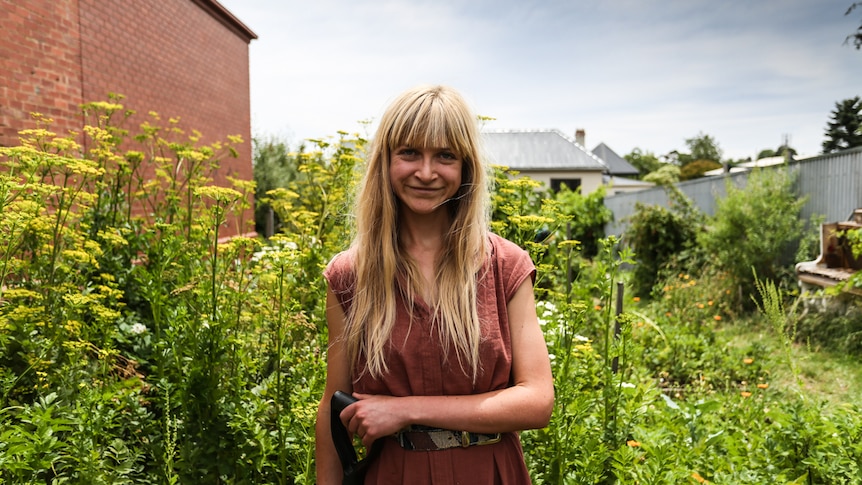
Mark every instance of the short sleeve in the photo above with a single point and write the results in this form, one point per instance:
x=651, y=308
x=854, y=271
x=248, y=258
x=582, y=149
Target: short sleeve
x=340, y=277
x=514, y=264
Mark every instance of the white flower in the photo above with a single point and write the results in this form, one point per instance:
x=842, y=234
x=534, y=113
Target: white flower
x=581, y=338
x=138, y=328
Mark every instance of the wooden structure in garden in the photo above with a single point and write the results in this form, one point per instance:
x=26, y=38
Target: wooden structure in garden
x=836, y=262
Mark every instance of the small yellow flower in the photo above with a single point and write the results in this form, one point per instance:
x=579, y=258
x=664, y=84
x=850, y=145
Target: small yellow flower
x=745, y=394
x=709, y=303
x=748, y=360
x=698, y=478
x=633, y=443
x=763, y=385
x=636, y=299
x=700, y=305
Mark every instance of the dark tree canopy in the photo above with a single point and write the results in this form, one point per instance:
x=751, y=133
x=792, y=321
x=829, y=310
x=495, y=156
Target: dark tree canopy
x=703, y=147
x=645, y=162
x=856, y=37
x=844, y=129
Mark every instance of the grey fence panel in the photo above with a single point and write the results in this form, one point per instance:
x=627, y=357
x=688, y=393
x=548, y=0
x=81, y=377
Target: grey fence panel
x=832, y=183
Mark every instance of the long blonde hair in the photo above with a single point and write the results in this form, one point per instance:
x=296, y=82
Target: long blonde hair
x=425, y=116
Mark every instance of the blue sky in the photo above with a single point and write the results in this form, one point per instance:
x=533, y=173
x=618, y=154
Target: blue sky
x=632, y=73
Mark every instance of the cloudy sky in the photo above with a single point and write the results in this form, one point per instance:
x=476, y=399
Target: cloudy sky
x=645, y=74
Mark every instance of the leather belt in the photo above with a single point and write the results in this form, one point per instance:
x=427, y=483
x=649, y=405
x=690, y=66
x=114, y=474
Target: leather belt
x=423, y=438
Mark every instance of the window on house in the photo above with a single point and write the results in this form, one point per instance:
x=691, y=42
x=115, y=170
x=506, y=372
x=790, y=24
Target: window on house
x=572, y=184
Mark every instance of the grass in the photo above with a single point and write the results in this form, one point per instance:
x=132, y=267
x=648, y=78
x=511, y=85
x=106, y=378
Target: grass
x=823, y=374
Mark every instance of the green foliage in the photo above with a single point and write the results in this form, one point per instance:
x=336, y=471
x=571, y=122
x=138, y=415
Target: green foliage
x=588, y=217
x=697, y=168
x=855, y=37
x=666, y=175
x=844, y=128
x=138, y=347
x=645, y=162
x=702, y=147
x=755, y=230
x=274, y=167
x=658, y=236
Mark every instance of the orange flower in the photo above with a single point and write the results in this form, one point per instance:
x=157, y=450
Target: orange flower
x=763, y=385
x=697, y=477
x=748, y=360
x=597, y=307
x=636, y=299
x=745, y=394
x=667, y=314
x=633, y=443
x=700, y=305
x=717, y=318
x=709, y=303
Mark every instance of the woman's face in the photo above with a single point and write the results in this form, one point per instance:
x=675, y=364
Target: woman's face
x=424, y=179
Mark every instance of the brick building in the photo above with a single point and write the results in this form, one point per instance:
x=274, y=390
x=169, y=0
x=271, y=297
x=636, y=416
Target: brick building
x=180, y=58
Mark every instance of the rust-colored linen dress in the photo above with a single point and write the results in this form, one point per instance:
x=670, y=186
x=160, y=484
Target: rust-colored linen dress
x=417, y=367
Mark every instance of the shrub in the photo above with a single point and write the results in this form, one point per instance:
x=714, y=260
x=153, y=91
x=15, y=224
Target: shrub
x=657, y=237
x=755, y=230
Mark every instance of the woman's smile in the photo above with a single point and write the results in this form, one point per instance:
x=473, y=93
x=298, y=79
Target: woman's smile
x=424, y=179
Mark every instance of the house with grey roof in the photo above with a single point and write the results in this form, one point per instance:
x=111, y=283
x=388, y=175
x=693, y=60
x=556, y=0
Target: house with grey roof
x=621, y=176
x=547, y=156
x=617, y=165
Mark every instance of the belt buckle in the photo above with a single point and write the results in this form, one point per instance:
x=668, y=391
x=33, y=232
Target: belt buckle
x=496, y=437
x=493, y=438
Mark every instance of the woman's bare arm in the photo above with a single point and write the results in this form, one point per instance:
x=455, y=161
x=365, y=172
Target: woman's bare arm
x=328, y=466
x=527, y=404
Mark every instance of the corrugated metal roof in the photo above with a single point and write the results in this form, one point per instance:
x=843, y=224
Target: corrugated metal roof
x=539, y=150
x=617, y=165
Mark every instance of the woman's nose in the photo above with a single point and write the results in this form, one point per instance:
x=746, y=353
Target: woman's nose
x=425, y=170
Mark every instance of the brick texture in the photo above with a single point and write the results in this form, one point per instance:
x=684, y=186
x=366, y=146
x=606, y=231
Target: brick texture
x=174, y=57
x=40, y=65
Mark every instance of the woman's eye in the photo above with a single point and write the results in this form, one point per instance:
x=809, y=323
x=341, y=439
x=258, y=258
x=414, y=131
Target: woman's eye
x=448, y=156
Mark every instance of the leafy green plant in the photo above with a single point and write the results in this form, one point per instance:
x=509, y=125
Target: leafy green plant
x=657, y=236
x=140, y=347
x=755, y=229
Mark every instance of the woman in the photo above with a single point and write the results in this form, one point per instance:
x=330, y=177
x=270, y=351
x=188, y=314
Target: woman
x=432, y=319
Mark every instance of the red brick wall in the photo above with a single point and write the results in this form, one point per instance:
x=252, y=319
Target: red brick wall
x=40, y=65
x=171, y=57
x=168, y=56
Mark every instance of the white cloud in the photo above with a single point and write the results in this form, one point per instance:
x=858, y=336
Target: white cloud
x=645, y=74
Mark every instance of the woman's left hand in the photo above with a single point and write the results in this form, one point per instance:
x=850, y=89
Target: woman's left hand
x=373, y=417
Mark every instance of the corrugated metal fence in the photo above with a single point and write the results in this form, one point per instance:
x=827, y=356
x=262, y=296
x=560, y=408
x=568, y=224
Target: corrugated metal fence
x=833, y=184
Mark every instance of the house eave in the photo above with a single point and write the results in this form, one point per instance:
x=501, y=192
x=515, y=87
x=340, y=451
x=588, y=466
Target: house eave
x=223, y=15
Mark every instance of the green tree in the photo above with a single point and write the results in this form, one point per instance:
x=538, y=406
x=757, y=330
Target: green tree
x=666, y=175
x=855, y=37
x=755, y=229
x=781, y=151
x=645, y=162
x=766, y=153
x=589, y=215
x=697, y=168
x=844, y=129
x=703, y=147
x=275, y=166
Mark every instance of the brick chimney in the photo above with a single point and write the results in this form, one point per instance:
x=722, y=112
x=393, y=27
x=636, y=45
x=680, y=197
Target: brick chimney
x=581, y=137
